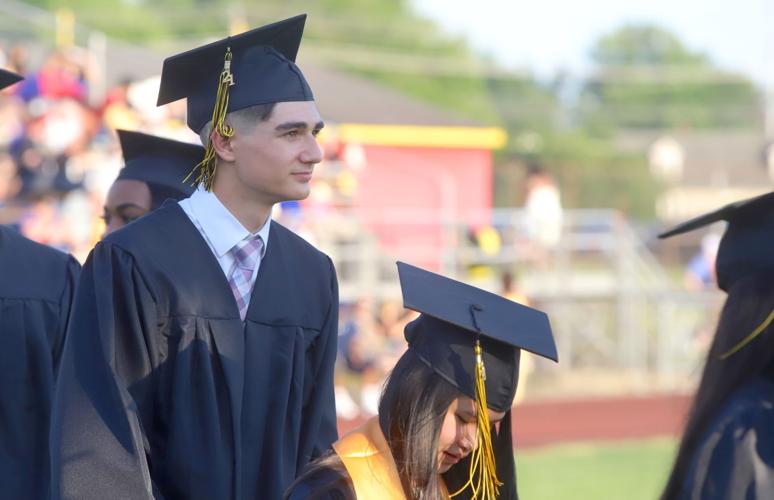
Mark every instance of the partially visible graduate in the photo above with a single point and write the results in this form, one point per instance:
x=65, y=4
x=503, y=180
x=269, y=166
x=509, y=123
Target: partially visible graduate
x=37, y=284
x=199, y=359
x=727, y=448
x=153, y=172
x=444, y=422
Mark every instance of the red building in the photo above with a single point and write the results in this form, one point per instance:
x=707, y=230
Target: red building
x=414, y=166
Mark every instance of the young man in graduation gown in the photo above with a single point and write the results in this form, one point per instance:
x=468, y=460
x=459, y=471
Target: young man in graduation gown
x=199, y=360
x=153, y=168
x=36, y=287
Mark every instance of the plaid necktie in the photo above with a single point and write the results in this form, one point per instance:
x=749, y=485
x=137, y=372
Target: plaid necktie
x=246, y=254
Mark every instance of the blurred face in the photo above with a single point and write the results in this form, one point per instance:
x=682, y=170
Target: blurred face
x=458, y=433
x=274, y=159
x=126, y=201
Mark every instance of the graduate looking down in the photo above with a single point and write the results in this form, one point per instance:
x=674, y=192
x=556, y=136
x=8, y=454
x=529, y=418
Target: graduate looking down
x=152, y=173
x=444, y=423
x=199, y=360
x=727, y=448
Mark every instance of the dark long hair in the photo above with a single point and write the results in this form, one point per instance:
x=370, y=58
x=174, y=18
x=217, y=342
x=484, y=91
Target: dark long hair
x=325, y=478
x=411, y=413
x=412, y=409
x=749, y=303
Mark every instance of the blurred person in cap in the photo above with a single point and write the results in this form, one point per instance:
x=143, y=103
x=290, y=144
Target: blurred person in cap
x=444, y=423
x=212, y=375
x=36, y=287
x=727, y=448
x=154, y=168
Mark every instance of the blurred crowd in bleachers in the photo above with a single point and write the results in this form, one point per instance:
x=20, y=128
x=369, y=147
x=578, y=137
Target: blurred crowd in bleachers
x=58, y=148
x=59, y=155
x=59, y=152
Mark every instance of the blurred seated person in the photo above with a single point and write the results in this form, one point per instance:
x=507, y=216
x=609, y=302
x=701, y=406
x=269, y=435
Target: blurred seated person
x=154, y=172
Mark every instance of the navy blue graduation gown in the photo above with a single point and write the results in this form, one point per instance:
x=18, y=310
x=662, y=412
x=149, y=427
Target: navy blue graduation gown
x=36, y=288
x=329, y=482
x=164, y=392
x=735, y=459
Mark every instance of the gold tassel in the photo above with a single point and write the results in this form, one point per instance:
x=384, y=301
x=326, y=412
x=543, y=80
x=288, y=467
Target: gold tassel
x=748, y=338
x=483, y=468
x=206, y=168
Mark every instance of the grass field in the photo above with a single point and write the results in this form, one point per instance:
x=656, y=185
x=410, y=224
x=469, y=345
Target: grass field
x=633, y=470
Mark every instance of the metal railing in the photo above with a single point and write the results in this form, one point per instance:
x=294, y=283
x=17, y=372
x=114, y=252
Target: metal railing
x=612, y=305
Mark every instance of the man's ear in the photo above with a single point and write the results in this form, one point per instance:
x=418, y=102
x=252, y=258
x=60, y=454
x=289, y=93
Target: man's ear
x=222, y=146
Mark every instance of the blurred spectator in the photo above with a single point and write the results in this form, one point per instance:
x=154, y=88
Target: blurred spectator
x=543, y=209
x=369, y=346
x=700, y=271
x=59, y=77
x=510, y=290
x=117, y=111
x=9, y=181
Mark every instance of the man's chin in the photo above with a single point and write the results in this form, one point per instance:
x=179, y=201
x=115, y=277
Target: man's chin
x=298, y=196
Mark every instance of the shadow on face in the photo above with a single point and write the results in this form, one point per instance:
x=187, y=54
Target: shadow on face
x=127, y=200
x=458, y=436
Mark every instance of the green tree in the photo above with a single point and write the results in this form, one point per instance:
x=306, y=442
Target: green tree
x=645, y=77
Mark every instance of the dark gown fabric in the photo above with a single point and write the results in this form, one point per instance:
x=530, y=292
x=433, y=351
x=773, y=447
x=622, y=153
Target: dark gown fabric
x=165, y=393
x=329, y=482
x=36, y=287
x=735, y=459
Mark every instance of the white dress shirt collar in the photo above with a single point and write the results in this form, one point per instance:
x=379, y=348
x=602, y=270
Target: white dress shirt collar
x=222, y=229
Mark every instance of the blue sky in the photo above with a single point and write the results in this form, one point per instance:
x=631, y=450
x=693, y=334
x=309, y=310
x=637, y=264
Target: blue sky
x=546, y=35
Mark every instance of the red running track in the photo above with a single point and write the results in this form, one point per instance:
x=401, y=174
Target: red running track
x=599, y=419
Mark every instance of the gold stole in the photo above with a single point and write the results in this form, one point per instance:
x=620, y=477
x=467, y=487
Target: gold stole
x=368, y=460
x=367, y=457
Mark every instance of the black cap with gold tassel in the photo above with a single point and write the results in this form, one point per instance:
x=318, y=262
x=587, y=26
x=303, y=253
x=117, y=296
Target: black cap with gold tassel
x=206, y=167
x=253, y=68
x=483, y=466
x=472, y=339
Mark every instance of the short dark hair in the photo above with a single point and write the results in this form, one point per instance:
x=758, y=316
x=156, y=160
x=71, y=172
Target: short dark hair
x=241, y=118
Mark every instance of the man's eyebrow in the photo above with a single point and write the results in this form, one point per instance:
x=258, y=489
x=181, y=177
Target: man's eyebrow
x=124, y=206
x=299, y=125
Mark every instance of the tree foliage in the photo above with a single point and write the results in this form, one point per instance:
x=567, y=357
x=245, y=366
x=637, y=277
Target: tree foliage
x=645, y=77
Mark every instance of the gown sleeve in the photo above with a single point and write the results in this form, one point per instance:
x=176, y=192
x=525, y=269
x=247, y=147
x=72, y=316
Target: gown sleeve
x=72, y=272
x=318, y=425
x=98, y=446
x=736, y=458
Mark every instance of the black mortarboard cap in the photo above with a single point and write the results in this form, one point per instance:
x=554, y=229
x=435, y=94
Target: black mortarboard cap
x=263, y=68
x=454, y=315
x=8, y=78
x=746, y=246
x=159, y=162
